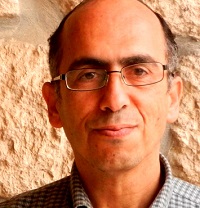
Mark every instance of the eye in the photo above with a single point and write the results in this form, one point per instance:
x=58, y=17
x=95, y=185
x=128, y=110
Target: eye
x=86, y=79
x=88, y=75
x=136, y=71
x=139, y=71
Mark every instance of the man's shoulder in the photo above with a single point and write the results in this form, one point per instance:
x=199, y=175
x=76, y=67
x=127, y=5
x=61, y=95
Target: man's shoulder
x=185, y=194
x=56, y=194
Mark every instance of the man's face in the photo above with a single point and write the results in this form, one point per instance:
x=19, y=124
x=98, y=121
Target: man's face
x=116, y=127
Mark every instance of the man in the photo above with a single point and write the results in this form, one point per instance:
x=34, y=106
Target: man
x=114, y=89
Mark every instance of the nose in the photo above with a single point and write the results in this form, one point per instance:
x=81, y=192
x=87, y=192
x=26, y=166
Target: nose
x=115, y=94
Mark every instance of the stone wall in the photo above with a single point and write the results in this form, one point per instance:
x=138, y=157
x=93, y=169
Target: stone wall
x=32, y=153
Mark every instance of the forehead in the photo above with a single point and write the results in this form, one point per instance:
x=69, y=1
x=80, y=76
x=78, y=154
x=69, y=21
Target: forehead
x=126, y=26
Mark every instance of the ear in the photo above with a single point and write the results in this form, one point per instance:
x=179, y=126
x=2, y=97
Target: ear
x=175, y=94
x=51, y=98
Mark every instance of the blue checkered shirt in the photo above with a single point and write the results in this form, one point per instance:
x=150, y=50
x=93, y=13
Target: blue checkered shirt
x=68, y=193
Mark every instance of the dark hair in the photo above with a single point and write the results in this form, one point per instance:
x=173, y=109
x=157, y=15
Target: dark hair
x=55, y=49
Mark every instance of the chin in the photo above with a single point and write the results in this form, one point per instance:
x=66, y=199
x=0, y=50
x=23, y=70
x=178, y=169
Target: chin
x=117, y=163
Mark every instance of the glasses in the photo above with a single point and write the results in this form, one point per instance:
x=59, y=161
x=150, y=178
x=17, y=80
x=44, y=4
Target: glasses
x=87, y=79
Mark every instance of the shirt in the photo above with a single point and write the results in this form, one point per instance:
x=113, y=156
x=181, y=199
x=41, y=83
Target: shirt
x=69, y=193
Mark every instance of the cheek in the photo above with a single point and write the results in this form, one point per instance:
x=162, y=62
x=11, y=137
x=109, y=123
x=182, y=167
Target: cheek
x=153, y=108
x=70, y=118
x=75, y=110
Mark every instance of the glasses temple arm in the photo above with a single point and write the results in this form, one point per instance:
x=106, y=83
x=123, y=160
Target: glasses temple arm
x=60, y=77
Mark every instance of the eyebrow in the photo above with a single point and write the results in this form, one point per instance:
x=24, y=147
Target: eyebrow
x=87, y=62
x=136, y=59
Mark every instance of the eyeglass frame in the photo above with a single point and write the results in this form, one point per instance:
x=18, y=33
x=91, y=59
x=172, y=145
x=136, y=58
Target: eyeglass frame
x=64, y=76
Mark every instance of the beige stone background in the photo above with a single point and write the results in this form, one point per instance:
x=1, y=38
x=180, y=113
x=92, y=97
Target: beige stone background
x=32, y=153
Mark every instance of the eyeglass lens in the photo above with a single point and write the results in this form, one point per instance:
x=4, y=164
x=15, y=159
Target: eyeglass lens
x=133, y=75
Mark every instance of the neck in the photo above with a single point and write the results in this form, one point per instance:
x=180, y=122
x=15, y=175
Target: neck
x=136, y=187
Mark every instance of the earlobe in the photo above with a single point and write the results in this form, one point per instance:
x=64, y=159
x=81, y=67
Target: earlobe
x=175, y=94
x=51, y=98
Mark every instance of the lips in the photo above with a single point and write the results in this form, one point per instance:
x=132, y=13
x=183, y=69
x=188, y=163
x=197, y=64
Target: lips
x=115, y=131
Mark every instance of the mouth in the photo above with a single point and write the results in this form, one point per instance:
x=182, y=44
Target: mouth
x=115, y=131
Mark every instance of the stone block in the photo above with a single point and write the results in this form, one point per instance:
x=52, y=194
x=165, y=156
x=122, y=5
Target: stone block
x=9, y=8
x=32, y=152
x=184, y=154
x=67, y=5
x=182, y=16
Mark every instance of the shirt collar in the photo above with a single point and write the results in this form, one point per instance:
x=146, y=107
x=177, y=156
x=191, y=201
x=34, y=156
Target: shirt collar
x=80, y=198
x=165, y=194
